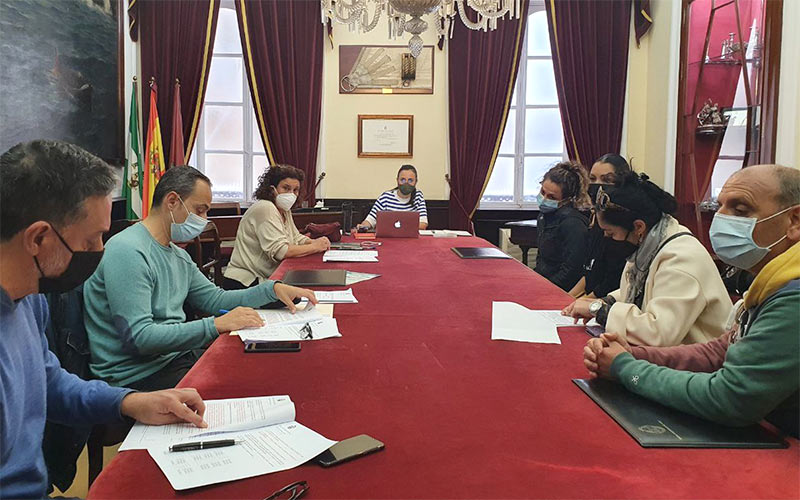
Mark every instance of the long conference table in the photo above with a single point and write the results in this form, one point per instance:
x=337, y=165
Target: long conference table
x=462, y=416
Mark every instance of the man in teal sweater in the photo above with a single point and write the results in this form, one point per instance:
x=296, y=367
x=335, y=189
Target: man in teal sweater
x=137, y=328
x=753, y=372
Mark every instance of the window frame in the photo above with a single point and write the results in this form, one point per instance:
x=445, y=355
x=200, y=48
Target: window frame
x=249, y=126
x=521, y=107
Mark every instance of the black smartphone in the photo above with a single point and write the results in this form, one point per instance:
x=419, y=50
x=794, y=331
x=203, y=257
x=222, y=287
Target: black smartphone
x=350, y=448
x=595, y=330
x=271, y=346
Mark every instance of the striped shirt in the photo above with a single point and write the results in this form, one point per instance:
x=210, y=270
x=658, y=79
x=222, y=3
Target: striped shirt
x=390, y=202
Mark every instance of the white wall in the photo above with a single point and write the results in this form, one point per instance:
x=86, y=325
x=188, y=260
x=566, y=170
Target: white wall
x=788, y=132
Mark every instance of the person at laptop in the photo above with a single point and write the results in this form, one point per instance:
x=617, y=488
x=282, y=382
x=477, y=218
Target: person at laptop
x=753, y=371
x=405, y=197
x=134, y=316
x=267, y=233
x=670, y=292
x=562, y=228
x=605, y=258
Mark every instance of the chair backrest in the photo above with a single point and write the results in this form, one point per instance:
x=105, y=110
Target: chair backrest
x=227, y=225
x=227, y=206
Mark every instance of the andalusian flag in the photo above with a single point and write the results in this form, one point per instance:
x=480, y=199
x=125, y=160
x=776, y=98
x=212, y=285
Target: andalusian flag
x=132, y=180
x=154, y=154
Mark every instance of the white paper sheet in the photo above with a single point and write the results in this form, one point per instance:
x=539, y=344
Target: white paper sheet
x=559, y=320
x=262, y=451
x=353, y=277
x=511, y=321
x=443, y=233
x=336, y=296
x=222, y=415
x=350, y=256
x=324, y=328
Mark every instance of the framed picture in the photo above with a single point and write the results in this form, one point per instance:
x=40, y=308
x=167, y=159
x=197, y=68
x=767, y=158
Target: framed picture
x=63, y=80
x=384, y=69
x=385, y=136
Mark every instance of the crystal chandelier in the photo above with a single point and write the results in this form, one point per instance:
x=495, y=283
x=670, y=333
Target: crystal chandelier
x=406, y=15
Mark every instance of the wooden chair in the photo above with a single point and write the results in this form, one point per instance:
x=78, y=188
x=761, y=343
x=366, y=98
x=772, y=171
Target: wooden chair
x=227, y=206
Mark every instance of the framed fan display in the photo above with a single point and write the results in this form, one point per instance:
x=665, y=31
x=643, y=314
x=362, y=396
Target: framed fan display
x=384, y=69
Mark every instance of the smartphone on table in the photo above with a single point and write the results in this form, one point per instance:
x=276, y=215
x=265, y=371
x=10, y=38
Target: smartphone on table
x=350, y=448
x=263, y=346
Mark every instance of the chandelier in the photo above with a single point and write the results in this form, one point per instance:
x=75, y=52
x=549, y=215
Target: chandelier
x=406, y=15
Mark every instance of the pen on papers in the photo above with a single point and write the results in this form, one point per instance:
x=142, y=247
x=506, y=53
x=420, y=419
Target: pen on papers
x=203, y=445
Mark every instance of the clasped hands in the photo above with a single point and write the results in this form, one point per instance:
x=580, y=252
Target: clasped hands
x=600, y=353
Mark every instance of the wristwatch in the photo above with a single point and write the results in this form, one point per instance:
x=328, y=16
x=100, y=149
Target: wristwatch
x=595, y=307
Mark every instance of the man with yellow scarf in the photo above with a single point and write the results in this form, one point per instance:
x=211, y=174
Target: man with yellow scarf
x=752, y=372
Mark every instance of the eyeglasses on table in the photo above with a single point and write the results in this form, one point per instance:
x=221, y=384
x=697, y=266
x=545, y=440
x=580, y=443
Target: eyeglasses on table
x=291, y=491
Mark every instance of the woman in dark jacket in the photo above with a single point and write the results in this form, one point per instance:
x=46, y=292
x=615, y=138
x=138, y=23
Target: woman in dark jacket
x=562, y=228
x=605, y=257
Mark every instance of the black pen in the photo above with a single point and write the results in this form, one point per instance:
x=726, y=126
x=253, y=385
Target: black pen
x=202, y=445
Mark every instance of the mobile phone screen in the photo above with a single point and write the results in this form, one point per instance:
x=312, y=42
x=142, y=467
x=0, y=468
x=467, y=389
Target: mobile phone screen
x=349, y=449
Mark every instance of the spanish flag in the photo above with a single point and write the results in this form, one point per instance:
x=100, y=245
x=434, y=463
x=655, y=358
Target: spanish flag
x=154, y=153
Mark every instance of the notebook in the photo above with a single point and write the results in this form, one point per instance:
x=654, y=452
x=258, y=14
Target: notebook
x=479, y=253
x=315, y=277
x=653, y=425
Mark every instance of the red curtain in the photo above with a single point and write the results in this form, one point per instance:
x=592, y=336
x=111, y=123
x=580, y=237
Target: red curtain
x=482, y=72
x=177, y=40
x=283, y=45
x=589, y=41
x=704, y=81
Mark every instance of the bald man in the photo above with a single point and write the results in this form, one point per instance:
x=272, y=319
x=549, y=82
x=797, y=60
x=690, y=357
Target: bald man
x=752, y=372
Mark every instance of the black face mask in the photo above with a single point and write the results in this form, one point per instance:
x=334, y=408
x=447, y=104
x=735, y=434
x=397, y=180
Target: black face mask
x=593, y=191
x=619, y=249
x=80, y=267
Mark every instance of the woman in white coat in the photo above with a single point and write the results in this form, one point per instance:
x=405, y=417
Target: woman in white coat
x=670, y=292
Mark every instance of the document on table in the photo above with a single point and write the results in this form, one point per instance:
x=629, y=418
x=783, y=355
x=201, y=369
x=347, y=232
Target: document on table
x=306, y=313
x=353, y=277
x=336, y=297
x=559, y=320
x=350, y=256
x=222, y=415
x=261, y=451
x=324, y=328
x=511, y=321
x=443, y=233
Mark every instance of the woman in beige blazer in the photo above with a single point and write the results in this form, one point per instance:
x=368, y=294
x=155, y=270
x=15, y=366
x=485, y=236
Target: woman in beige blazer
x=267, y=233
x=670, y=292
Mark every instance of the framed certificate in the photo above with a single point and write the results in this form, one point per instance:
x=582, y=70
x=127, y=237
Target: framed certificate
x=385, y=136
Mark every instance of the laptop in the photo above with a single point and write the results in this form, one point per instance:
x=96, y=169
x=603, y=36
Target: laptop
x=315, y=277
x=397, y=225
x=653, y=425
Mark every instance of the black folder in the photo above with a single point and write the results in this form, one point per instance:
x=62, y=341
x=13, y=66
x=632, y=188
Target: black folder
x=654, y=425
x=479, y=253
x=315, y=277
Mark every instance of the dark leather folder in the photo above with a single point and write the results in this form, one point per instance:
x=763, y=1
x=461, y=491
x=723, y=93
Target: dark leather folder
x=479, y=253
x=655, y=426
x=315, y=277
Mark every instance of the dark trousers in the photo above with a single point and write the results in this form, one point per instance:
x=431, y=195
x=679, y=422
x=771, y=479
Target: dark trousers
x=230, y=284
x=169, y=376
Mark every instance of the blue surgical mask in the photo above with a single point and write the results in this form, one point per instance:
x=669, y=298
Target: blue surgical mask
x=732, y=239
x=188, y=229
x=546, y=206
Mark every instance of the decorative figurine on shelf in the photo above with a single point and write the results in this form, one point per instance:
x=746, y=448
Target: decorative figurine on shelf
x=711, y=121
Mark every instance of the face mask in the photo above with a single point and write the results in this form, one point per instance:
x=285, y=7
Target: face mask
x=188, y=229
x=406, y=189
x=593, y=191
x=732, y=239
x=546, y=206
x=285, y=201
x=619, y=249
x=80, y=267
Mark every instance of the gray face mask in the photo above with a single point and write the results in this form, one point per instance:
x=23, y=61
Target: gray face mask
x=406, y=189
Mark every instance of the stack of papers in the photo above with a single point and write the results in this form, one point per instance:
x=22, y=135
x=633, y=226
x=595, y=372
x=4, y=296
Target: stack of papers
x=353, y=277
x=350, y=256
x=280, y=324
x=268, y=440
x=512, y=321
x=443, y=233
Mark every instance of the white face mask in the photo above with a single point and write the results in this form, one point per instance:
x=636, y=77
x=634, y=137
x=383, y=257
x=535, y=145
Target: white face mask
x=285, y=201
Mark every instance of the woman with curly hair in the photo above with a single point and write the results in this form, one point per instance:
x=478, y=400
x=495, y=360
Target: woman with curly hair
x=562, y=227
x=267, y=233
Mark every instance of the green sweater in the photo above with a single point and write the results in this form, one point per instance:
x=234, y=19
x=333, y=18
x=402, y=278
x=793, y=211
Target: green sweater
x=758, y=377
x=134, y=306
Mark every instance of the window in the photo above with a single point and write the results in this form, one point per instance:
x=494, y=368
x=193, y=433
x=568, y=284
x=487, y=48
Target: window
x=533, y=139
x=229, y=148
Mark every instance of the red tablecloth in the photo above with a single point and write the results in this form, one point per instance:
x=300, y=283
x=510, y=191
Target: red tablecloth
x=462, y=416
